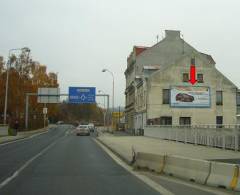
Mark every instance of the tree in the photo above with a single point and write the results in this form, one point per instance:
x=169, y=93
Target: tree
x=81, y=113
x=1, y=64
x=25, y=76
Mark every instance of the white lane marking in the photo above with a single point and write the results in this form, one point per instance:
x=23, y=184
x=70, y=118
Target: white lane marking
x=68, y=132
x=37, y=134
x=23, y=138
x=143, y=178
x=16, y=173
x=193, y=185
x=166, y=178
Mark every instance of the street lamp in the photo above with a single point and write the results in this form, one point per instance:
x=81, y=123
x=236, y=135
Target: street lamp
x=26, y=49
x=106, y=70
x=104, y=112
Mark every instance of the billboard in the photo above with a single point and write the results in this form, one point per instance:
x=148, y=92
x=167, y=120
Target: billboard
x=190, y=96
x=82, y=95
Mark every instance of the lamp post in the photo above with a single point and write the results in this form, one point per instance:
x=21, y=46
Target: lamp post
x=7, y=79
x=106, y=70
x=104, y=113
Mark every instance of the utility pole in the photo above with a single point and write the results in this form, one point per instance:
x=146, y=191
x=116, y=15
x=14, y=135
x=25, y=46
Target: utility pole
x=106, y=70
x=118, y=117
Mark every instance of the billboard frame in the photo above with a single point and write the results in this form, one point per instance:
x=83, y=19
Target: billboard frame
x=191, y=107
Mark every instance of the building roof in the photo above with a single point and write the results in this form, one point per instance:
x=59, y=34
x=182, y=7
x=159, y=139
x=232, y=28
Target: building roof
x=153, y=67
x=140, y=49
x=209, y=57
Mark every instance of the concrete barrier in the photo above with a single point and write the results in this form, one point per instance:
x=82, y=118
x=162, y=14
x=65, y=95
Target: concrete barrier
x=3, y=130
x=190, y=169
x=224, y=175
x=153, y=162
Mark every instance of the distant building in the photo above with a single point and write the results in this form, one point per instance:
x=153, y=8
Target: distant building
x=158, y=90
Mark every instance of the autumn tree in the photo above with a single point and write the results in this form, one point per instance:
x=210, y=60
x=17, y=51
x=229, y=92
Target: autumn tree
x=80, y=113
x=1, y=64
x=25, y=76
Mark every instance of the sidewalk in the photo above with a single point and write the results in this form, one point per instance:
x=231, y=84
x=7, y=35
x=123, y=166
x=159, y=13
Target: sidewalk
x=122, y=145
x=22, y=135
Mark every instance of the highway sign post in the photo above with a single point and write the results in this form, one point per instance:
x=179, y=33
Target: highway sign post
x=45, y=110
x=82, y=95
x=91, y=98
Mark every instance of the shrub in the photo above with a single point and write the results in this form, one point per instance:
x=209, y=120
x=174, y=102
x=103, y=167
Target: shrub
x=12, y=132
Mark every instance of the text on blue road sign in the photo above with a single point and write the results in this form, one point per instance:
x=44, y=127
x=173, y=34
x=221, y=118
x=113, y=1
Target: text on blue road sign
x=82, y=95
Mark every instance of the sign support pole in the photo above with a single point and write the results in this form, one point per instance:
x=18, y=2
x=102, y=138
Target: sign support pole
x=44, y=116
x=35, y=94
x=26, y=114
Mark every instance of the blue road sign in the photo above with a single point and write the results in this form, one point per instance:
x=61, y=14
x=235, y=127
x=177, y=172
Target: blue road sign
x=82, y=95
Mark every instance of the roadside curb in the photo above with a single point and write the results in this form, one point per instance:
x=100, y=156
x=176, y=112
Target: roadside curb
x=27, y=136
x=115, y=152
x=215, y=174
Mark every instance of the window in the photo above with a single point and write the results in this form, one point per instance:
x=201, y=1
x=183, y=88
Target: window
x=150, y=122
x=238, y=98
x=192, y=61
x=219, y=121
x=219, y=98
x=166, y=96
x=200, y=78
x=185, y=77
x=166, y=120
x=185, y=121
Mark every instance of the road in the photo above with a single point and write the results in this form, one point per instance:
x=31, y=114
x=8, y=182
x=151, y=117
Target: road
x=58, y=162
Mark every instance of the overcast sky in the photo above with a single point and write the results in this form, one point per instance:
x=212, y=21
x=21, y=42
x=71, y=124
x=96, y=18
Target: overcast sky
x=77, y=38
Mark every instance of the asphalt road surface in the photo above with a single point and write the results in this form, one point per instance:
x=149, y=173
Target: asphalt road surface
x=60, y=163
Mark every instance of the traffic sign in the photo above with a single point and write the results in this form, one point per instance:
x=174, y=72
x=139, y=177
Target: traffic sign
x=45, y=110
x=82, y=95
x=48, y=95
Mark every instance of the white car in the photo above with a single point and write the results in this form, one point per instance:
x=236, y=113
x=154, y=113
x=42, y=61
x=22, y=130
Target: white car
x=82, y=130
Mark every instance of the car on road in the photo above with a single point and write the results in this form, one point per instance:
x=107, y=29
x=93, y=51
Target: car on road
x=82, y=130
x=183, y=97
x=60, y=123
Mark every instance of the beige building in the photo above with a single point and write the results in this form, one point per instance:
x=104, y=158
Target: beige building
x=158, y=90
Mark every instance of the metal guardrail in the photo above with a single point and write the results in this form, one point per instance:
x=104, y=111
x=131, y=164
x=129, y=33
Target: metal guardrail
x=224, y=136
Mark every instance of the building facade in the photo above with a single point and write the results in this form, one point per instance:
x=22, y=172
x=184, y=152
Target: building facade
x=158, y=90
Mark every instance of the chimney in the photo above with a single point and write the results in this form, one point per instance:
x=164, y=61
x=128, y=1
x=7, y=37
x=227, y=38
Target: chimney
x=172, y=34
